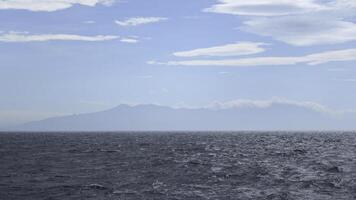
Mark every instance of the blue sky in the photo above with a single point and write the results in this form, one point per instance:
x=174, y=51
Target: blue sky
x=62, y=57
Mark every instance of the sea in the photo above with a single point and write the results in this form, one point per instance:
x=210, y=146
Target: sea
x=178, y=166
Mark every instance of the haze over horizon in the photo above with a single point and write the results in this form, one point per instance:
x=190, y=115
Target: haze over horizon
x=243, y=115
x=61, y=57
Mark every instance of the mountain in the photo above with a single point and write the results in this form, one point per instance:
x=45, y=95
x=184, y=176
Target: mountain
x=274, y=116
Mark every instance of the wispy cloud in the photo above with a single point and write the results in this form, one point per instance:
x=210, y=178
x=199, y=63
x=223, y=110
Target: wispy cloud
x=49, y=5
x=311, y=59
x=299, y=23
x=129, y=40
x=136, y=21
x=248, y=103
x=303, y=30
x=269, y=103
x=236, y=49
x=26, y=37
x=265, y=7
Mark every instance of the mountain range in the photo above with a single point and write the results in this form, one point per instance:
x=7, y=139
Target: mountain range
x=273, y=116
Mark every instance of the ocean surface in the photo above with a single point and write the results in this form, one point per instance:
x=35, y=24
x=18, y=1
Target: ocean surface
x=194, y=166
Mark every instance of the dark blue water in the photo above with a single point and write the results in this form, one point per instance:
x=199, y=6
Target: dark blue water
x=246, y=166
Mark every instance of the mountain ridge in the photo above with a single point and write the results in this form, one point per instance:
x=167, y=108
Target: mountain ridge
x=151, y=117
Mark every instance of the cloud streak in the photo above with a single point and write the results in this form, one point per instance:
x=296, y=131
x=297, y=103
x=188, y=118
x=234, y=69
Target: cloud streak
x=26, y=37
x=311, y=59
x=136, y=21
x=236, y=49
x=263, y=104
x=265, y=7
x=49, y=5
x=129, y=40
x=303, y=30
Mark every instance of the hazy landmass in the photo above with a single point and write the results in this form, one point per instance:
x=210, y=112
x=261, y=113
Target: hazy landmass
x=277, y=116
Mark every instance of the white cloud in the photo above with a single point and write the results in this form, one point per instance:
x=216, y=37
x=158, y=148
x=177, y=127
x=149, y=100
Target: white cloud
x=26, y=37
x=265, y=7
x=303, y=31
x=312, y=59
x=135, y=21
x=296, y=22
x=342, y=7
x=49, y=5
x=330, y=56
x=268, y=103
x=248, y=103
x=129, y=40
x=236, y=49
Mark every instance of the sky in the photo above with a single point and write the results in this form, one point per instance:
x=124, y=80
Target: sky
x=62, y=57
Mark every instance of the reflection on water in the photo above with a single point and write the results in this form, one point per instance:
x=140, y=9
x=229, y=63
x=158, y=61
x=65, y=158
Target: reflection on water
x=303, y=166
